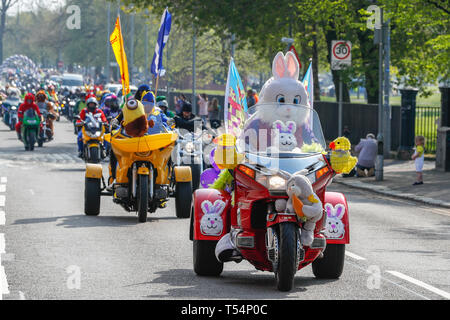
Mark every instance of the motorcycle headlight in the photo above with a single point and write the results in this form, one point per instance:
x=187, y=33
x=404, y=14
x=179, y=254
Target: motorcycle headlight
x=13, y=108
x=269, y=179
x=95, y=134
x=189, y=147
x=271, y=182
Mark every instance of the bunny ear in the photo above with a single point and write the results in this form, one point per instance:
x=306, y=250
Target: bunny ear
x=291, y=126
x=329, y=209
x=278, y=66
x=219, y=205
x=279, y=125
x=340, y=210
x=206, y=206
x=292, y=65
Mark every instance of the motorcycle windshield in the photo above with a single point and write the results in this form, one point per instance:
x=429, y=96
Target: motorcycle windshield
x=92, y=123
x=30, y=114
x=278, y=130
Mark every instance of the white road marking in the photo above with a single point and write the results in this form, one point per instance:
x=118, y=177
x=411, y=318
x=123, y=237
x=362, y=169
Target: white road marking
x=420, y=284
x=2, y=218
x=2, y=244
x=2, y=188
x=3, y=180
x=2, y=201
x=21, y=295
x=32, y=192
x=392, y=282
x=354, y=256
x=3, y=282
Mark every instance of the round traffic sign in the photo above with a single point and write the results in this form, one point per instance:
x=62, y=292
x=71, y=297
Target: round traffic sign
x=341, y=50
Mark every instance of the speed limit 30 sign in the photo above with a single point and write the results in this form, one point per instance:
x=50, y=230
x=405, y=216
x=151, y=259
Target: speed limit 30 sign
x=341, y=54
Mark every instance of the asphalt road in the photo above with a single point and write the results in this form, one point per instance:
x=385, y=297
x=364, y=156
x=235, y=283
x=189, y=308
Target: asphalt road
x=51, y=250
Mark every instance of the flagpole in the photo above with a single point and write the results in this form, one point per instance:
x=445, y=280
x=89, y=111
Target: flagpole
x=156, y=85
x=225, y=103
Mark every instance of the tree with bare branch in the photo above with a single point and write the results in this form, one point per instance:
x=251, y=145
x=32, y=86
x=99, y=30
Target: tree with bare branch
x=6, y=5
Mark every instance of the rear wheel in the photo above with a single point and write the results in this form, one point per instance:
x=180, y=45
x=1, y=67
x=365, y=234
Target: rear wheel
x=332, y=263
x=183, y=199
x=142, y=199
x=92, y=194
x=287, y=259
x=205, y=261
x=196, y=172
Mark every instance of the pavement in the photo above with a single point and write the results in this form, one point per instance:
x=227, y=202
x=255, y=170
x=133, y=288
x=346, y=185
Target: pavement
x=398, y=177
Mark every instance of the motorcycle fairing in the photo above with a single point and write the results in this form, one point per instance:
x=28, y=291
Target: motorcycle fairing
x=336, y=224
x=211, y=218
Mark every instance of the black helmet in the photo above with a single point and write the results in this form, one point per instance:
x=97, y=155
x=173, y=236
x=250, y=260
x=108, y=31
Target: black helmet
x=187, y=107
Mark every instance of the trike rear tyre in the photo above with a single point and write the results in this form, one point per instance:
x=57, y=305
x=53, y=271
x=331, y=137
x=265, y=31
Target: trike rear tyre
x=332, y=263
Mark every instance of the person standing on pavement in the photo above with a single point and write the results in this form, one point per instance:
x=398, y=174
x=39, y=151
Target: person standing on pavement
x=367, y=149
x=203, y=107
x=213, y=113
x=179, y=101
x=419, y=157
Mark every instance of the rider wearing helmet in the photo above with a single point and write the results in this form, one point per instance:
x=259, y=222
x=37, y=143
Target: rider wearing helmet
x=91, y=107
x=27, y=104
x=111, y=107
x=81, y=103
x=46, y=107
x=141, y=91
x=186, y=119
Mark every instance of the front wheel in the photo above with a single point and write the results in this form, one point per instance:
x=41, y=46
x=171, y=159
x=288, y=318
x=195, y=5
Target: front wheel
x=205, y=261
x=94, y=155
x=92, y=194
x=142, y=199
x=332, y=263
x=287, y=256
x=31, y=139
x=12, y=125
x=183, y=199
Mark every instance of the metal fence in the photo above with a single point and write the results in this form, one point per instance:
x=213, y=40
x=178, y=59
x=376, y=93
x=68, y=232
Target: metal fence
x=426, y=125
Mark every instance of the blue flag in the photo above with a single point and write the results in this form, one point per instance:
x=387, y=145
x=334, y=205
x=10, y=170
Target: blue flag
x=163, y=36
x=235, y=102
x=308, y=82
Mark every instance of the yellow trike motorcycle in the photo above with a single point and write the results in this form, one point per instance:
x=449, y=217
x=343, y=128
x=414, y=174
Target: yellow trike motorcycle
x=145, y=174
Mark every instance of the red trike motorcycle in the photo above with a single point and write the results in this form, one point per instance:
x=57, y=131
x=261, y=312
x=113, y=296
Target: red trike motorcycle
x=268, y=239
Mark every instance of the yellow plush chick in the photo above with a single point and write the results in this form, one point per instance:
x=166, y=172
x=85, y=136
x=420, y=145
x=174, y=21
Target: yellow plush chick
x=341, y=159
x=226, y=156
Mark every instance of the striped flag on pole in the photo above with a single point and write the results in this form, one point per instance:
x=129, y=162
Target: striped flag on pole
x=235, y=102
x=163, y=36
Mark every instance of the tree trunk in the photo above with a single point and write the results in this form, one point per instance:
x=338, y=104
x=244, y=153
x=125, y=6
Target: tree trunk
x=2, y=29
x=315, y=66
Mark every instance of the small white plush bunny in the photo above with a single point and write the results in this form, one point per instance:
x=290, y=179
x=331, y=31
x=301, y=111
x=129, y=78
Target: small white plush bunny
x=334, y=227
x=211, y=224
x=284, y=138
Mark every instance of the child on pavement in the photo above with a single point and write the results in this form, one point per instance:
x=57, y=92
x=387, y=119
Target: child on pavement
x=418, y=158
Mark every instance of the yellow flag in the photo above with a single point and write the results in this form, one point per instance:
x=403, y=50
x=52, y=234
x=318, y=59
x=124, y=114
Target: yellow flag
x=116, y=40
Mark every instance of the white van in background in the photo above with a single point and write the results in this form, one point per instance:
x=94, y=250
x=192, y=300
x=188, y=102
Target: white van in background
x=72, y=81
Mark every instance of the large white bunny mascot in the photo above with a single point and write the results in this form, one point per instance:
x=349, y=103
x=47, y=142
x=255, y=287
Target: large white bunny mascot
x=278, y=99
